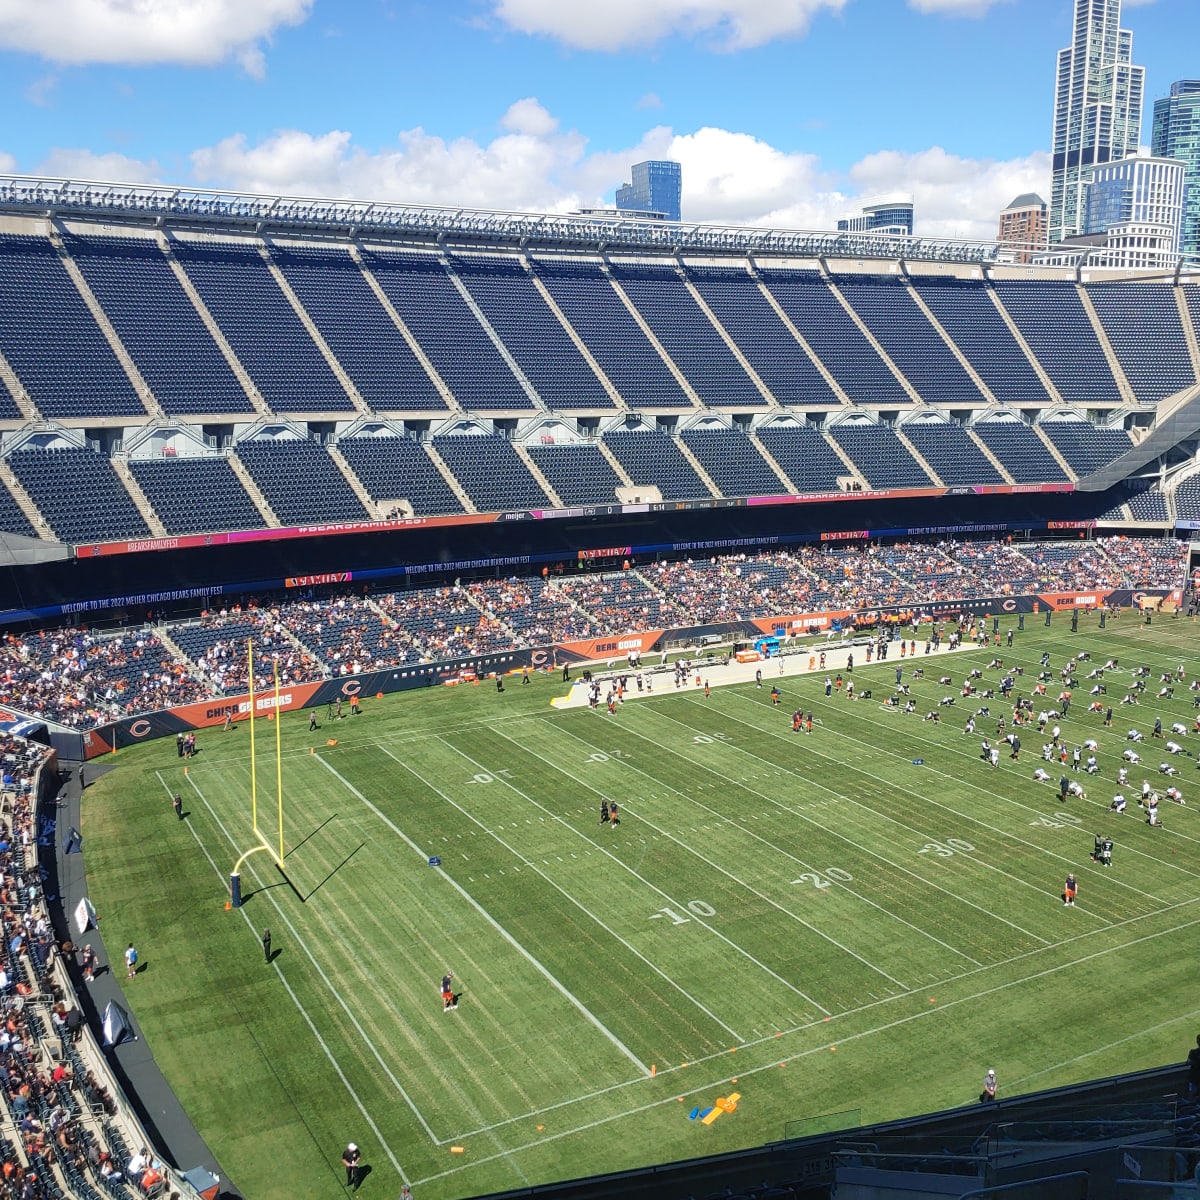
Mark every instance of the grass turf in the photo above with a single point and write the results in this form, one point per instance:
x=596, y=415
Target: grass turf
x=820, y=918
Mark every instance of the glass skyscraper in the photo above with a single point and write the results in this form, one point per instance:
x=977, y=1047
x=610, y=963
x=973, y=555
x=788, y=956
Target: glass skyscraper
x=1177, y=135
x=1097, y=110
x=657, y=187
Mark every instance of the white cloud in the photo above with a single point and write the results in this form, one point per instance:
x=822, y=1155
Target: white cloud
x=528, y=116
x=83, y=164
x=953, y=196
x=534, y=165
x=8, y=164
x=958, y=8
x=138, y=32
x=619, y=24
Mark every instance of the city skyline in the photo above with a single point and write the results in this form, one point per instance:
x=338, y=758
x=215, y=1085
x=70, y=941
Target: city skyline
x=788, y=114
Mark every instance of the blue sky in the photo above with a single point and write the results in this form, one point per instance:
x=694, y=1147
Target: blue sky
x=782, y=111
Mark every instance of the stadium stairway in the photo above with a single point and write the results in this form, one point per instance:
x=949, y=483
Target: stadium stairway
x=614, y=462
x=356, y=484
x=536, y=472
x=642, y=324
x=834, y=386
x=921, y=459
x=951, y=344
x=851, y=468
x=140, y=386
x=1032, y=358
x=912, y=392
x=705, y=477
x=253, y=491
x=1189, y=329
x=451, y=479
x=443, y=390
x=313, y=332
x=734, y=348
x=24, y=503
x=756, y=442
x=1058, y=458
x=16, y=389
x=543, y=291
x=235, y=365
x=120, y=465
x=1114, y=365
x=987, y=453
x=496, y=340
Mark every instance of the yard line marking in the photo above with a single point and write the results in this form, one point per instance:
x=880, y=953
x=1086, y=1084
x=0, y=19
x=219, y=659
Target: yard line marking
x=483, y=912
x=966, y=816
x=896, y=821
x=692, y=800
x=858, y=845
x=800, y=1027
x=582, y=907
x=920, y=1014
x=693, y=917
x=295, y=999
x=801, y=862
x=718, y=868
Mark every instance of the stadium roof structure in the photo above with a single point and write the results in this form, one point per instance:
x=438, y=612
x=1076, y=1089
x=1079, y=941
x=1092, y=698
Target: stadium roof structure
x=183, y=206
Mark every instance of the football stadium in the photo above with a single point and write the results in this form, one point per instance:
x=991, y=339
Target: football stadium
x=588, y=706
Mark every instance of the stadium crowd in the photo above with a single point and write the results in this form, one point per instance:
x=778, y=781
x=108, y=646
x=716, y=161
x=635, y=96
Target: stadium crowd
x=83, y=679
x=58, y=1112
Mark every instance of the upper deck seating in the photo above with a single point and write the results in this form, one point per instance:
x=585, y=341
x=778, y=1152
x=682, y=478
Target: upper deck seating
x=965, y=310
x=533, y=335
x=358, y=329
x=751, y=320
x=159, y=325
x=909, y=340
x=612, y=335
x=839, y=343
x=448, y=332
x=1054, y=324
x=261, y=326
x=52, y=341
x=687, y=335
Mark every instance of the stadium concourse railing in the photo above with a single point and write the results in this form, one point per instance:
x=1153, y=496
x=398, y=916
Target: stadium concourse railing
x=130, y=731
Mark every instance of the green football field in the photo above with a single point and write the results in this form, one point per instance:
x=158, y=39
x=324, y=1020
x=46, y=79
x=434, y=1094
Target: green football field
x=862, y=920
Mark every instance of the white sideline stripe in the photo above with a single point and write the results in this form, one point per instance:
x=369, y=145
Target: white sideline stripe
x=920, y=1014
x=729, y=874
x=666, y=896
x=582, y=907
x=366, y=1037
x=362, y=1108
x=1008, y=834
x=787, y=853
x=483, y=912
x=788, y=1031
x=1133, y=1037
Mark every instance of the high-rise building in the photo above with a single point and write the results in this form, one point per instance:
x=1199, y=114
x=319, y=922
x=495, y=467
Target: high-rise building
x=1023, y=225
x=657, y=187
x=1177, y=135
x=1138, y=204
x=1097, y=109
x=892, y=213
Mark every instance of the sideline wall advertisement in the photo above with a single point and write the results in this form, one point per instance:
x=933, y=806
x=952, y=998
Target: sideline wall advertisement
x=609, y=649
